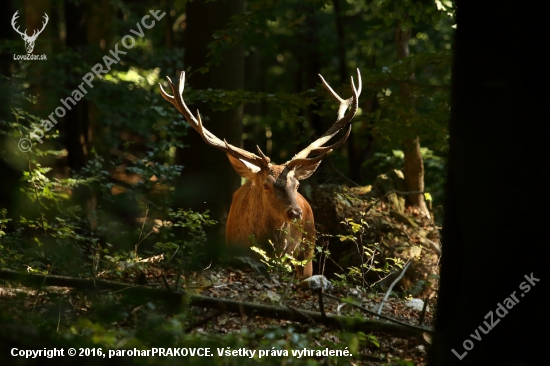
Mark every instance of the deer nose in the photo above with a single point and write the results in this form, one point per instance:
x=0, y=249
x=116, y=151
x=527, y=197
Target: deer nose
x=294, y=213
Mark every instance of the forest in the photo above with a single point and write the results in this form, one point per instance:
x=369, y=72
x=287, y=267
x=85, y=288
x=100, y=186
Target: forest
x=379, y=201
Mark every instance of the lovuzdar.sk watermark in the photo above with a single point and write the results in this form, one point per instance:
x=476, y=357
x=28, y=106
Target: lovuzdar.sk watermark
x=501, y=311
x=98, y=70
x=29, y=40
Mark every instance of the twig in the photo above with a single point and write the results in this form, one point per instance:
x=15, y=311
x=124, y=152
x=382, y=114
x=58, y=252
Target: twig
x=432, y=244
x=379, y=315
x=38, y=295
x=393, y=284
x=301, y=313
x=392, y=192
x=143, y=225
x=166, y=284
x=204, y=321
x=168, y=261
x=341, y=174
x=58, y=317
x=424, y=308
x=321, y=304
x=286, y=289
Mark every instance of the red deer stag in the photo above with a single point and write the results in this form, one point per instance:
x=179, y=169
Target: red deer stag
x=266, y=205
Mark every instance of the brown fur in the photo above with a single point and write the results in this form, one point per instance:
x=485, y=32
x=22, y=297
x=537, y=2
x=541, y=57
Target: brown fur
x=263, y=213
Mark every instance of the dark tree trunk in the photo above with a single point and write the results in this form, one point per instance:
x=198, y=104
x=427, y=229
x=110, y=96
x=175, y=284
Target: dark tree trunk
x=89, y=27
x=76, y=120
x=254, y=80
x=309, y=52
x=208, y=181
x=307, y=78
x=6, y=33
x=92, y=26
x=168, y=24
x=340, y=37
x=495, y=229
x=40, y=84
x=99, y=35
x=413, y=164
x=361, y=149
x=9, y=184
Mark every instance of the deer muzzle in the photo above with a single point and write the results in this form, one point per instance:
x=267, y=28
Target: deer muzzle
x=294, y=213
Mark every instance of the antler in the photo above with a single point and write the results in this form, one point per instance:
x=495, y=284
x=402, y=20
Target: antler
x=13, y=19
x=24, y=34
x=43, y=26
x=261, y=161
x=342, y=120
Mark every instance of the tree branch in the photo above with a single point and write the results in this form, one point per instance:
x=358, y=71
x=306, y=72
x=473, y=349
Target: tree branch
x=141, y=293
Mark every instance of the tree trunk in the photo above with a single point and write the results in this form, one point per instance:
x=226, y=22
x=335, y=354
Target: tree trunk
x=413, y=165
x=340, y=38
x=88, y=27
x=9, y=184
x=76, y=126
x=99, y=33
x=6, y=33
x=208, y=181
x=40, y=84
x=312, y=70
x=495, y=232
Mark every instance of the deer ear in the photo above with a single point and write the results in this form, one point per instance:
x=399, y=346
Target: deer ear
x=304, y=172
x=243, y=168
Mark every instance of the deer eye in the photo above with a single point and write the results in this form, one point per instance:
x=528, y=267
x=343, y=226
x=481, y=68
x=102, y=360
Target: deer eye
x=266, y=186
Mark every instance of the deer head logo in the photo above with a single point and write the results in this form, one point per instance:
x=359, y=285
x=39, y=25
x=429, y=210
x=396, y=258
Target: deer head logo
x=29, y=41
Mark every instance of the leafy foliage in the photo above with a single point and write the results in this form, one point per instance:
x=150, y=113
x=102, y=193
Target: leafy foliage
x=105, y=214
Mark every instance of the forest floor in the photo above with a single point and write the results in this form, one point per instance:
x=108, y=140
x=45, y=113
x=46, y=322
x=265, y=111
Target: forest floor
x=378, y=349
x=64, y=305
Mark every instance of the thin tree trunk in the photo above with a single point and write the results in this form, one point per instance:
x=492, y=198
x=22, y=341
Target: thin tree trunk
x=413, y=165
x=76, y=121
x=40, y=85
x=9, y=184
x=340, y=37
x=312, y=66
x=7, y=33
x=86, y=26
x=208, y=181
x=254, y=80
x=168, y=24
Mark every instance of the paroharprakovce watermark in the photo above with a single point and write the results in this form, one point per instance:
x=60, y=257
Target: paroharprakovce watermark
x=128, y=42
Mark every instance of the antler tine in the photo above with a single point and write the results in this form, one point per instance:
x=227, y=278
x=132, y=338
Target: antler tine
x=340, y=142
x=44, y=23
x=36, y=32
x=13, y=20
x=177, y=100
x=341, y=121
x=360, y=82
x=266, y=158
x=181, y=85
x=164, y=94
x=328, y=87
x=323, y=151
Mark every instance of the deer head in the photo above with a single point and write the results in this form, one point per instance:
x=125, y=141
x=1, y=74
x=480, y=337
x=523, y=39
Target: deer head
x=29, y=40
